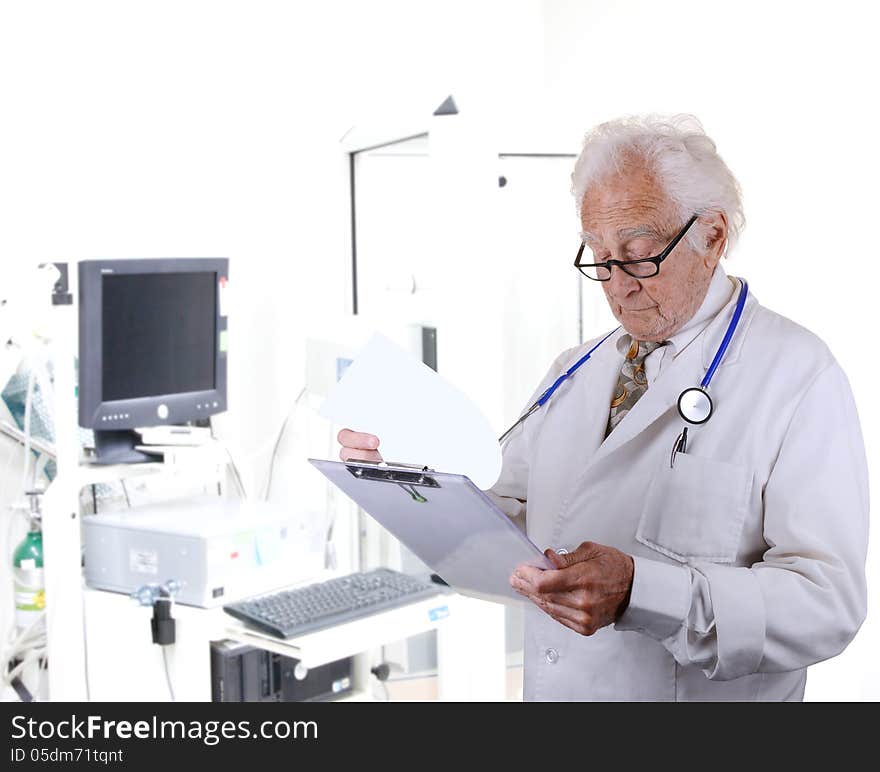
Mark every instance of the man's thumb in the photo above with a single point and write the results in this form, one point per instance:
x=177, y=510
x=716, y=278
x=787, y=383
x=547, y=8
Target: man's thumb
x=558, y=561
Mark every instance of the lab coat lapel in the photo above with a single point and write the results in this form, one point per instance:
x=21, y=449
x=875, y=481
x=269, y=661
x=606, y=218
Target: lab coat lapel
x=660, y=397
x=599, y=391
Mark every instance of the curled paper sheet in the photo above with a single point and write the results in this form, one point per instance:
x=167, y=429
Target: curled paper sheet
x=418, y=417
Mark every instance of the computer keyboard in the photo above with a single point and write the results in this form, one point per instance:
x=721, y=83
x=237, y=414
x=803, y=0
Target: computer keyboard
x=291, y=613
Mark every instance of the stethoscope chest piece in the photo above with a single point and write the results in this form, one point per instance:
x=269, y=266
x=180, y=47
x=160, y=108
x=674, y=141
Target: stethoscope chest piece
x=695, y=405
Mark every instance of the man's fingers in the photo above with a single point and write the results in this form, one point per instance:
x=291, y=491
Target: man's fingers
x=563, y=612
x=357, y=440
x=579, y=629
x=574, y=600
x=530, y=574
x=579, y=621
x=586, y=551
x=347, y=454
x=358, y=446
x=546, y=580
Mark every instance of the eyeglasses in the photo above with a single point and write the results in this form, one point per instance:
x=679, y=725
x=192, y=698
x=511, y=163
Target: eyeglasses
x=640, y=269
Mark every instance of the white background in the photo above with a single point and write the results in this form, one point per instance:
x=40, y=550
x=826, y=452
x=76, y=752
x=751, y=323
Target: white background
x=213, y=128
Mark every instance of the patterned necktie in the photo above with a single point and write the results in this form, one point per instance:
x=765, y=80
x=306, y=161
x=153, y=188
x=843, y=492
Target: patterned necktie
x=632, y=382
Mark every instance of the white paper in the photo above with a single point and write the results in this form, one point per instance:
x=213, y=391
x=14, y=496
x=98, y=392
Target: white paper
x=418, y=417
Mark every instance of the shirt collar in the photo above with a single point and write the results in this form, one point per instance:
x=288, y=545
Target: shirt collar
x=720, y=290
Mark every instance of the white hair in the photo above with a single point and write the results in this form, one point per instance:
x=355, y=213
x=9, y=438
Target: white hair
x=677, y=150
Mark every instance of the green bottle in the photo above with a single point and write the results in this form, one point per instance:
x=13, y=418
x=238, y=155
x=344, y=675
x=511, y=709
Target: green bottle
x=30, y=587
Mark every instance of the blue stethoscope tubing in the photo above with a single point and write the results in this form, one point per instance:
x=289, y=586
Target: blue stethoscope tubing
x=731, y=328
x=695, y=405
x=701, y=389
x=542, y=400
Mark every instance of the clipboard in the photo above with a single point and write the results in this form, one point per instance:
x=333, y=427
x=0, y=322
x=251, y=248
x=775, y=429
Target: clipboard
x=449, y=523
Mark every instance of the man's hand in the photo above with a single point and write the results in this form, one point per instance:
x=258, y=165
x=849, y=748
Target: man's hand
x=588, y=589
x=358, y=446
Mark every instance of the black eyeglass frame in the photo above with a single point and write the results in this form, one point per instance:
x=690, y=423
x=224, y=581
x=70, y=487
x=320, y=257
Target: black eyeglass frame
x=622, y=264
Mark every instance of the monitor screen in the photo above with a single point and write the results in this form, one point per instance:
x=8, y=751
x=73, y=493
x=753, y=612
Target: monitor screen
x=158, y=334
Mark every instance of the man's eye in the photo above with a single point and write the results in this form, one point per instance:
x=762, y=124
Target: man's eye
x=638, y=249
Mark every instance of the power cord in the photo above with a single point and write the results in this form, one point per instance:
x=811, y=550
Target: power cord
x=278, y=441
x=28, y=410
x=162, y=625
x=85, y=627
x=382, y=671
x=27, y=647
x=167, y=674
x=235, y=475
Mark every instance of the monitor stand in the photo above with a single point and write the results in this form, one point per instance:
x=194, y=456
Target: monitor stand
x=117, y=446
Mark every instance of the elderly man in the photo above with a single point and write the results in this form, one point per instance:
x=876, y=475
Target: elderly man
x=715, y=563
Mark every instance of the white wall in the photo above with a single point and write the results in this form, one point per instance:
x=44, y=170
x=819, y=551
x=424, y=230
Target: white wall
x=209, y=127
x=212, y=128
x=788, y=92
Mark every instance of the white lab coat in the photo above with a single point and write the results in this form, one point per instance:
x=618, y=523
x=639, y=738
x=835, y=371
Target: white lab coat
x=749, y=554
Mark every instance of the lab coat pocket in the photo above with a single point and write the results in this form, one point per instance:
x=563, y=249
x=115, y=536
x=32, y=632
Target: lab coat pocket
x=695, y=511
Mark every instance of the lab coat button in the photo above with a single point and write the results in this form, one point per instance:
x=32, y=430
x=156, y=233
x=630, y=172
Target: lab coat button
x=552, y=656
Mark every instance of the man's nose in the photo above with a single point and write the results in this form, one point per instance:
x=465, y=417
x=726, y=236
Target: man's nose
x=621, y=283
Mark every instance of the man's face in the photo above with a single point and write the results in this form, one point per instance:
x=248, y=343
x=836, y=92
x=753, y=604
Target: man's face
x=627, y=217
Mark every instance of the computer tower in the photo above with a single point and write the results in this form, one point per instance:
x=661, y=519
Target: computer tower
x=243, y=673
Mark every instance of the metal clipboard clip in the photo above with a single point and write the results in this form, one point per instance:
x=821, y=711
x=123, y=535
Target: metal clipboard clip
x=406, y=476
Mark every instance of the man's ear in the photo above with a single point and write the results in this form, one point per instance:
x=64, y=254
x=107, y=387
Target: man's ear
x=715, y=231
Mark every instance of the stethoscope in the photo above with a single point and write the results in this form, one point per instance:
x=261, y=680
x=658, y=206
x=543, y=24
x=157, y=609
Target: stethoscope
x=695, y=405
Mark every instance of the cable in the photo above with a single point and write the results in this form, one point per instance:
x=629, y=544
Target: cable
x=167, y=674
x=330, y=505
x=47, y=396
x=28, y=409
x=39, y=469
x=28, y=646
x=94, y=501
x=10, y=459
x=13, y=511
x=211, y=430
x=44, y=447
x=236, y=476
x=85, y=629
x=31, y=644
x=381, y=672
x=125, y=492
x=278, y=442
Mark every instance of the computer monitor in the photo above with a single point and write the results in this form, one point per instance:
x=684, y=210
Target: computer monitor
x=152, y=347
